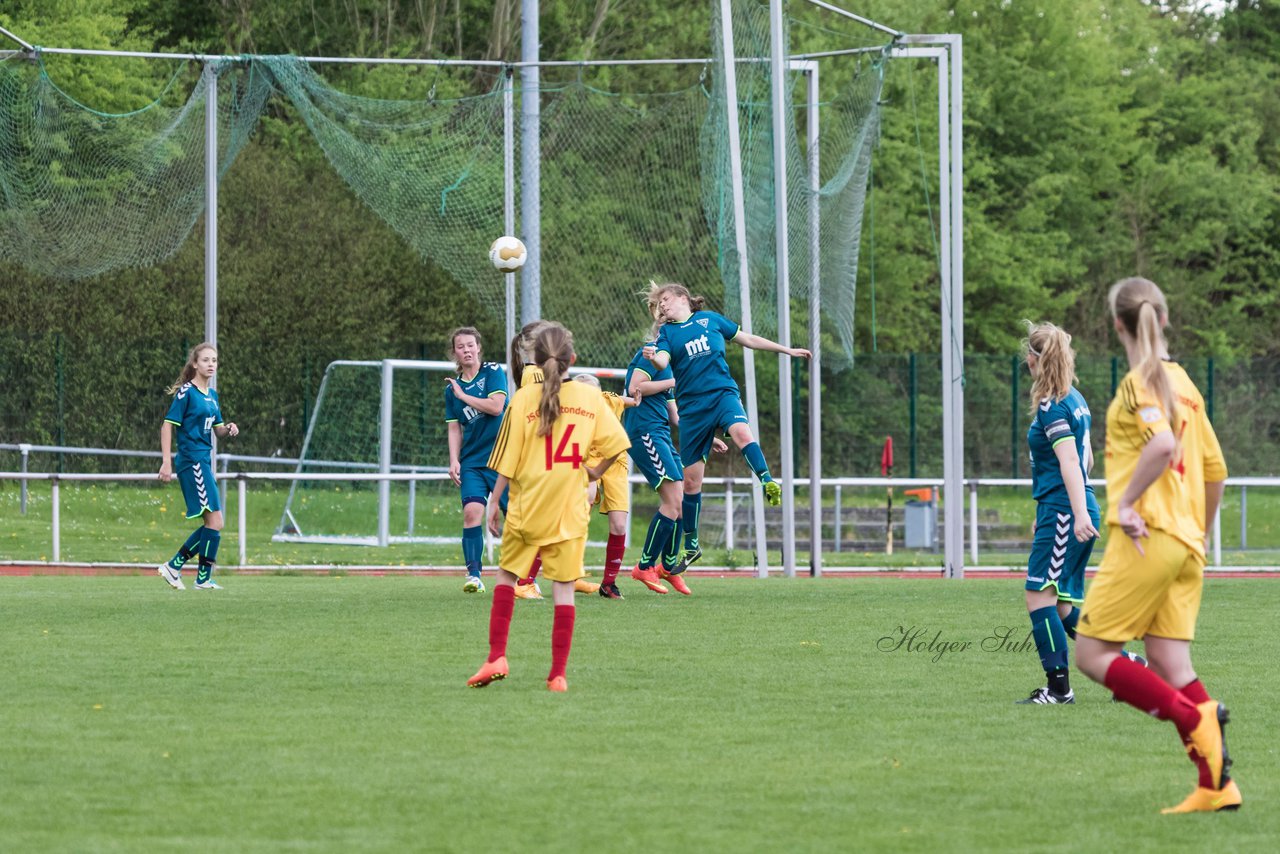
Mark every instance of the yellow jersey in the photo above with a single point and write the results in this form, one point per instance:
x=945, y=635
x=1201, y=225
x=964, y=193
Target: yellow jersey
x=548, y=474
x=617, y=405
x=531, y=374
x=1175, y=502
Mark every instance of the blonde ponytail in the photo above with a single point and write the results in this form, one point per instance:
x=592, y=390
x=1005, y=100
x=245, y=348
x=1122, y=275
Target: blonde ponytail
x=553, y=352
x=1141, y=308
x=1056, y=362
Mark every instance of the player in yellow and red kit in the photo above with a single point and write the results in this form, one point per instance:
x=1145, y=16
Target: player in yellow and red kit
x=540, y=452
x=1165, y=476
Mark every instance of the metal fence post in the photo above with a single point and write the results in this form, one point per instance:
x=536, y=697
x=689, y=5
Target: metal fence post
x=728, y=516
x=56, y=521
x=25, y=450
x=837, y=533
x=1244, y=518
x=240, y=495
x=973, y=522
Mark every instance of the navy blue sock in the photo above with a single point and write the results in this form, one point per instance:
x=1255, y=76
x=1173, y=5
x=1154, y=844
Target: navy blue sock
x=472, y=548
x=205, y=572
x=1051, y=640
x=189, y=548
x=657, y=541
x=209, y=550
x=690, y=510
x=755, y=458
x=671, y=550
x=1069, y=622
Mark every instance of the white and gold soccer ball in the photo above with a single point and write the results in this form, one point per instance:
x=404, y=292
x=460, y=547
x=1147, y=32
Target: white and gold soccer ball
x=507, y=253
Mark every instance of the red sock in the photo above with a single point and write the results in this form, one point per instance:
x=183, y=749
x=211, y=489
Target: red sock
x=613, y=553
x=533, y=570
x=1141, y=688
x=561, y=640
x=1196, y=693
x=504, y=602
x=1144, y=690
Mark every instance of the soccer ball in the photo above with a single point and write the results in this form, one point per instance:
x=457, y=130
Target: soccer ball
x=507, y=254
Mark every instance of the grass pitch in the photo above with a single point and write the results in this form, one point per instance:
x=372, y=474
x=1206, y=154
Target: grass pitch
x=330, y=714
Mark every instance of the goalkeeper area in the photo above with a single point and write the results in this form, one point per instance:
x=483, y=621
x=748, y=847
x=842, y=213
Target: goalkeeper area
x=386, y=417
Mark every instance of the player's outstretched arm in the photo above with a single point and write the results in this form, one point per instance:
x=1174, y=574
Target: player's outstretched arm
x=757, y=342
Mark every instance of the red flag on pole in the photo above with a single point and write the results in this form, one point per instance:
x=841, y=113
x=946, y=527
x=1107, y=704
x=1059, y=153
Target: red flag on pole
x=886, y=457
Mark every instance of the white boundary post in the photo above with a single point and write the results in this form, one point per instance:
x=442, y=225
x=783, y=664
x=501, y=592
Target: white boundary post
x=740, y=242
x=780, y=83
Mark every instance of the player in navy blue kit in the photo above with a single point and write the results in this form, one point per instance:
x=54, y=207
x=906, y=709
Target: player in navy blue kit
x=473, y=404
x=1067, y=515
x=197, y=417
x=692, y=342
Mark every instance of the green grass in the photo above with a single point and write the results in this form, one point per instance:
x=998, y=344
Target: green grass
x=137, y=523
x=330, y=714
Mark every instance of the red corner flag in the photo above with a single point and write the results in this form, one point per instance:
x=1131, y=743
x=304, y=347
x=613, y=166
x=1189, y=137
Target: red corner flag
x=886, y=457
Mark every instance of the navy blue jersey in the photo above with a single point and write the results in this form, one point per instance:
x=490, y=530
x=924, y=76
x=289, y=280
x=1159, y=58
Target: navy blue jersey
x=194, y=413
x=478, y=429
x=697, y=348
x=1067, y=420
x=651, y=414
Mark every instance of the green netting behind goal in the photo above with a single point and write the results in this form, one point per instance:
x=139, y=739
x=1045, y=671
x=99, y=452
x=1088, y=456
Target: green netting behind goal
x=634, y=186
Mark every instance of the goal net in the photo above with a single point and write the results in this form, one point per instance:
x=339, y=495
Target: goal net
x=372, y=418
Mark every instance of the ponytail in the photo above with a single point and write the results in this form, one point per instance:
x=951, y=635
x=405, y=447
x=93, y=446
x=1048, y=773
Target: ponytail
x=522, y=350
x=1141, y=309
x=553, y=352
x=1150, y=365
x=1056, y=362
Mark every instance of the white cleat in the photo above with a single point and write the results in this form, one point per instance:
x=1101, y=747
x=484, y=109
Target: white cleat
x=208, y=585
x=171, y=576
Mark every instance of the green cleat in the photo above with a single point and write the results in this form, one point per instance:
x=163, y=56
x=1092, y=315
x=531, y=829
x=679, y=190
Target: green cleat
x=772, y=493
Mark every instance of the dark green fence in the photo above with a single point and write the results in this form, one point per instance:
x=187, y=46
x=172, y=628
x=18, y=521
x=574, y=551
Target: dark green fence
x=110, y=393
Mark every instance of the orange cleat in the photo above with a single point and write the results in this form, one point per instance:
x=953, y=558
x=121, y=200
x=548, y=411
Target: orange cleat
x=1209, y=800
x=676, y=581
x=584, y=586
x=558, y=685
x=649, y=578
x=490, y=671
x=528, y=591
x=1208, y=740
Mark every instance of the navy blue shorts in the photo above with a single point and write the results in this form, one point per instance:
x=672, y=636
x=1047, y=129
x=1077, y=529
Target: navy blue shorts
x=1057, y=558
x=477, y=483
x=655, y=456
x=705, y=418
x=199, y=489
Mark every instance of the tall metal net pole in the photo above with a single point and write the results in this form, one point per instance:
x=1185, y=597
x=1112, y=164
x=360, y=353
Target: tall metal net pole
x=530, y=166
x=740, y=242
x=509, y=199
x=779, y=82
x=211, y=204
x=815, y=325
